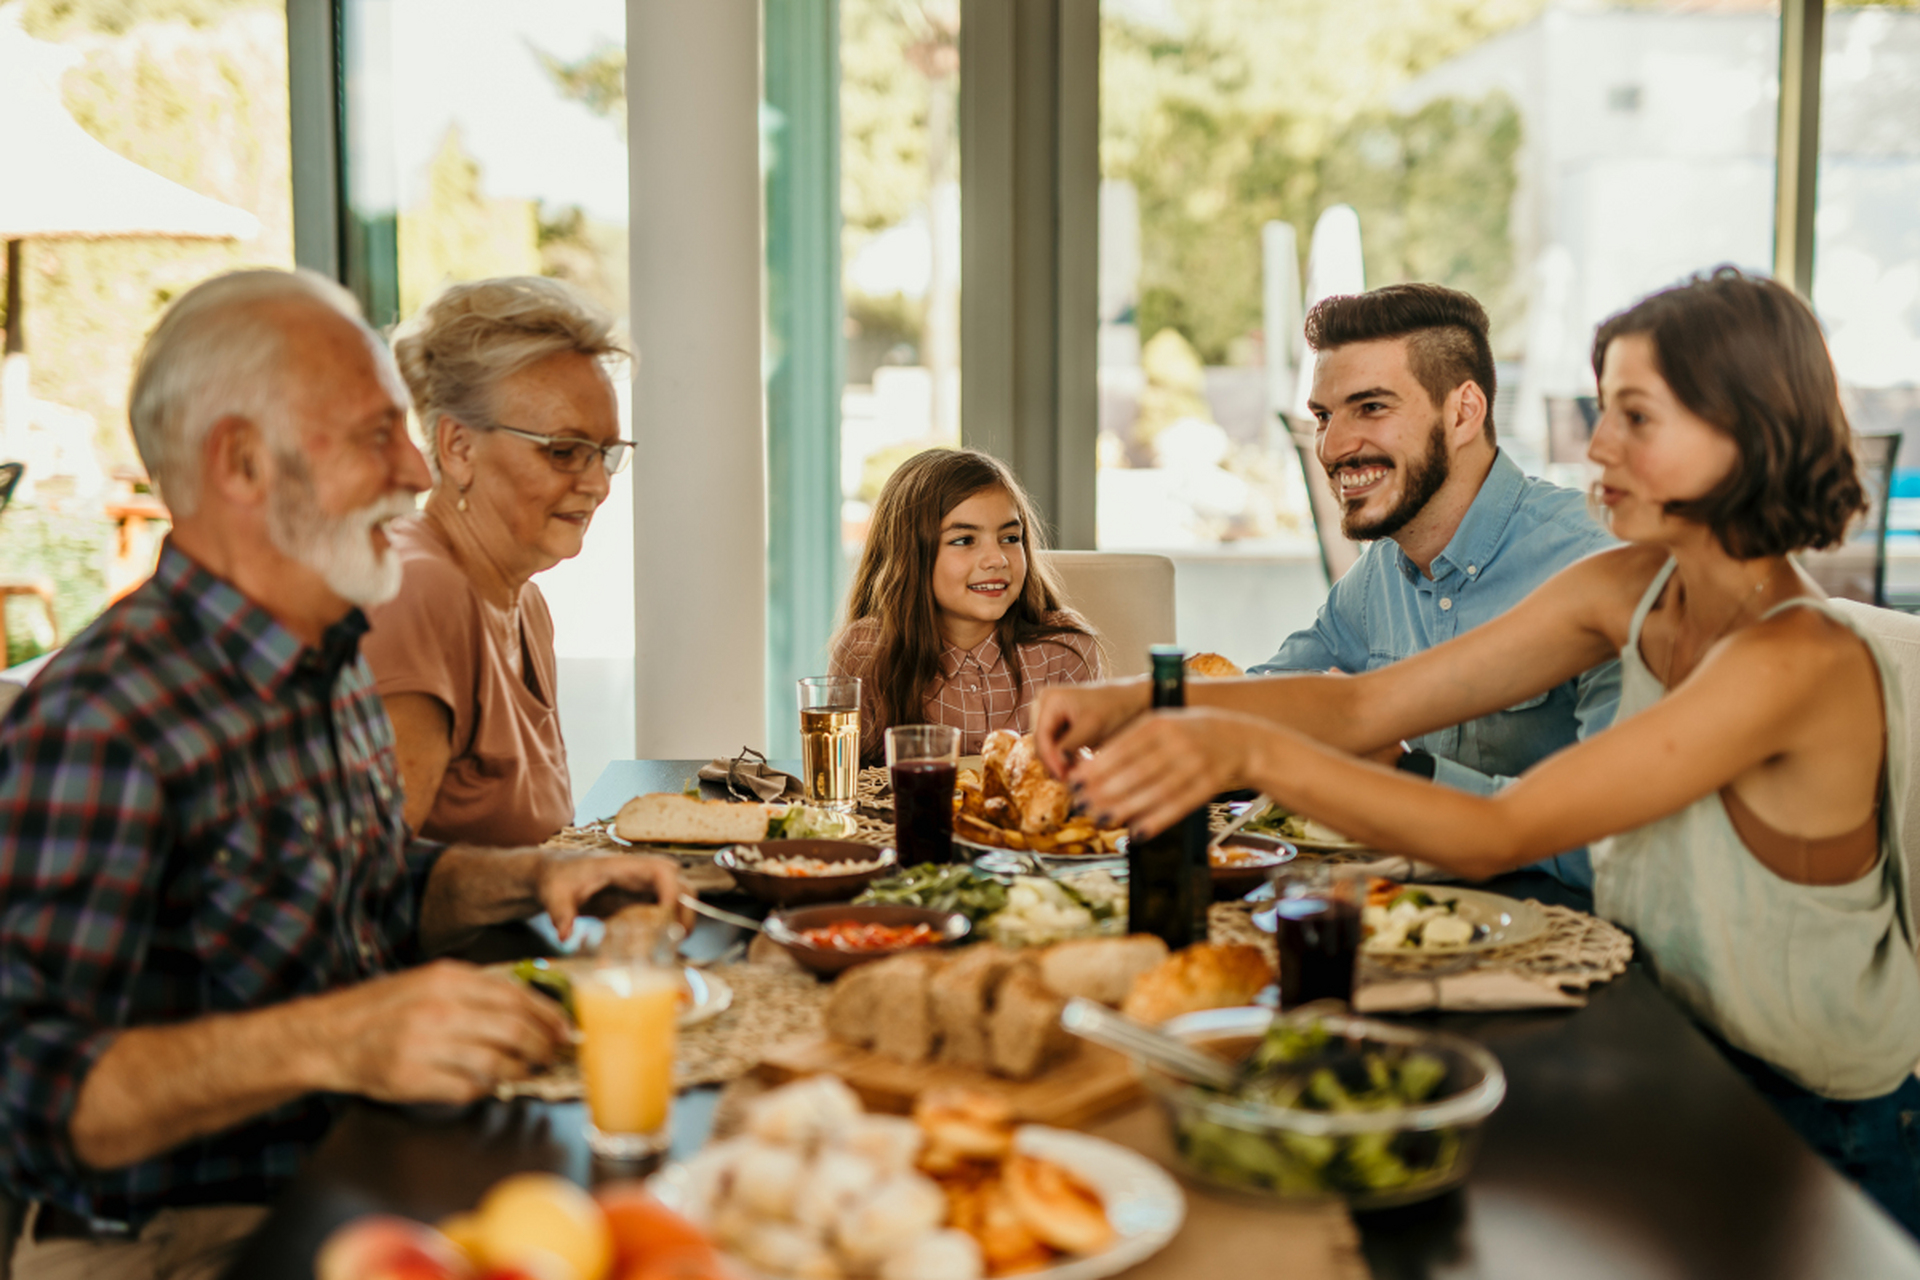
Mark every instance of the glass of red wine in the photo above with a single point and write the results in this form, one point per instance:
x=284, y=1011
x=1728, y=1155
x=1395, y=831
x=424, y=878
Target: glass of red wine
x=1316, y=914
x=924, y=760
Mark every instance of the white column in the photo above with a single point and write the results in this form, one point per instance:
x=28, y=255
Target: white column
x=700, y=485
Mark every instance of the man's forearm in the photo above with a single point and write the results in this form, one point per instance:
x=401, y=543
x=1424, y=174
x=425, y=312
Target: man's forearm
x=157, y=1087
x=471, y=887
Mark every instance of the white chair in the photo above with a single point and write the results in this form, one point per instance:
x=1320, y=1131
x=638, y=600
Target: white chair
x=1127, y=598
x=1898, y=636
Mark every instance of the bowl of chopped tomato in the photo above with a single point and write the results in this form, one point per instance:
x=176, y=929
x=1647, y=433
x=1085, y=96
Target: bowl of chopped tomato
x=828, y=939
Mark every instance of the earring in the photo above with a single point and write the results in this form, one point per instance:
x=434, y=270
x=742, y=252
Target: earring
x=462, y=504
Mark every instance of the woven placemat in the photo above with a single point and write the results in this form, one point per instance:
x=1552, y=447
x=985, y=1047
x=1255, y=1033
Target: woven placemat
x=1575, y=951
x=772, y=1004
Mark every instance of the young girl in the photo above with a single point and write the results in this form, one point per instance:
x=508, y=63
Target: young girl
x=952, y=619
x=1751, y=788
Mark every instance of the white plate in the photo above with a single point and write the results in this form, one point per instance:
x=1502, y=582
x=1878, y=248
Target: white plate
x=1311, y=845
x=1508, y=921
x=1143, y=1203
x=710, y=996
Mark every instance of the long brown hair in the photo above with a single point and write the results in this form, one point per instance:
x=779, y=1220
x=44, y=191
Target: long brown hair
x=1746, y=355
x=894, y=583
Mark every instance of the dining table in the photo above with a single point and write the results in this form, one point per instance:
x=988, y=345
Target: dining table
x=1627, y=1148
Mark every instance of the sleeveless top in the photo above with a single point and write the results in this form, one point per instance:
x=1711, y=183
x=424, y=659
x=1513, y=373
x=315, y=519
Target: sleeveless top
x=1820, y=981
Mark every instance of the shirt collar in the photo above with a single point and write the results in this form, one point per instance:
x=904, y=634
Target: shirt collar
x=986, y=654
x=1478, y=538
x=255, y=642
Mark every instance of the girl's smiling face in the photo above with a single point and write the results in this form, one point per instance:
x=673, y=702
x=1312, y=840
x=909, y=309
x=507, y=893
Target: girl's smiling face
x=981, y=566
x=1651, y=448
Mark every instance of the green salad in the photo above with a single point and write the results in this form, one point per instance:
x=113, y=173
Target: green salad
x=1304, y=1066
x=941, y=886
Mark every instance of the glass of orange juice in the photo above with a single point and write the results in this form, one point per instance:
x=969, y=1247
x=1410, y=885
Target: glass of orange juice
x=627, y=1011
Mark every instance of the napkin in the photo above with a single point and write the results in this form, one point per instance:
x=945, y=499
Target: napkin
x=749, y=771
x=1475, y=991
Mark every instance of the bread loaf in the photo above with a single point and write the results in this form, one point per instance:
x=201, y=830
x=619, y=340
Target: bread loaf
x=1212, y=666
x=963, y=1000
x=1207, y=976
x=1024, y=1034
x=666, y=818
x=1101, y=969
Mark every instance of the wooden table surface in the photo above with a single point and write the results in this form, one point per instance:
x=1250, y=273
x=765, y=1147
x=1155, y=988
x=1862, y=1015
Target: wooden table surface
x=1626, y=1148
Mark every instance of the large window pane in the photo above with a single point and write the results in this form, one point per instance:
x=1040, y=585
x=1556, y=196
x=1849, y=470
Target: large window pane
x=1555, y=161
x=196, y=94
x=1866, y=262
x=900, y=204
x=505, y=127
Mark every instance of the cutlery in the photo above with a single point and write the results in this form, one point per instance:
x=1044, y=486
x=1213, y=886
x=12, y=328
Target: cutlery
x=1103, y=1026
x=694, y=904
x=1258, y=804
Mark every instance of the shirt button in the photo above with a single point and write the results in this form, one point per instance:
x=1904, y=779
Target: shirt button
x=223, y=857
x=1446, y=603
x=1472, y=569
x=309, y=824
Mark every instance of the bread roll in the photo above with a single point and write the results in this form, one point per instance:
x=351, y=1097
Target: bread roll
x=666, y=818
x=1212, y=666
x=962, y=1000
x=886, y=1006
x=1024, y=1033
x=1207, y=976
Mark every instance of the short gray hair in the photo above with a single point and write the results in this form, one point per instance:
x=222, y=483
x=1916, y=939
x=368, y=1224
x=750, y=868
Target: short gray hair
x=474, y=336
x=211, y=357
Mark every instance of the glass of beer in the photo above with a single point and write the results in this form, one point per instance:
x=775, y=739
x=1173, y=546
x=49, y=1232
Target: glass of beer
x=924, y=761
x=830, y=739
x=628, y=1010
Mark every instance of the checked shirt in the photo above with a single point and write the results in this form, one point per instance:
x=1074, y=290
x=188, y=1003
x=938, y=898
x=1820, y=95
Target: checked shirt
x=198, y=814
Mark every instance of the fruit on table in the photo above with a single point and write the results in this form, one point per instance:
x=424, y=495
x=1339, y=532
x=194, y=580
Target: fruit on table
x=383, y=1247
x=532, y=1220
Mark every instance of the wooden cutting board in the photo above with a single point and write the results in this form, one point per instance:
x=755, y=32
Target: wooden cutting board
x=1088, y=1083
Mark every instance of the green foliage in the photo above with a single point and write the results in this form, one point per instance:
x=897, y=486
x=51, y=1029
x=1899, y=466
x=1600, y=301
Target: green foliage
x=1277, y=109
x=71, y=549
x=598, y=80
x=457, y=232
x=53, y=19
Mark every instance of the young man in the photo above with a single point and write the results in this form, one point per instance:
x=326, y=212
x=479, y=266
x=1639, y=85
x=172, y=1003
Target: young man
x=1403, y=387
x=208, y=895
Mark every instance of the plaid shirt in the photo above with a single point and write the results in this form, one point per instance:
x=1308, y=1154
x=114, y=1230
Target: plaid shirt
x=198, y=814
x=974, y=691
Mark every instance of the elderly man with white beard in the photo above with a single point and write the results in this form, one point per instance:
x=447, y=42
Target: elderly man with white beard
x=214, y=921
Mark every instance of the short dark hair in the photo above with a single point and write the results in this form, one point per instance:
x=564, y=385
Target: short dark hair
x=1747, y=356
x=1446, y=332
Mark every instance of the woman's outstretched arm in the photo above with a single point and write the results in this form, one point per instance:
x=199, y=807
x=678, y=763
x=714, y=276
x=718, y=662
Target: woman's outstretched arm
x=1744, y=705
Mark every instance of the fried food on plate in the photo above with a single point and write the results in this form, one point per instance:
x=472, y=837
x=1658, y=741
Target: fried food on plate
x=1018, y=805
x=1206, y=976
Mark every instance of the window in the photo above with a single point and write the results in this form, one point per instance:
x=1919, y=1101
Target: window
x=193, y=93
x=1557, y=162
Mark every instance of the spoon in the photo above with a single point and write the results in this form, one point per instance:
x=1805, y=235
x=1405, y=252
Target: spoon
x=1101, y=1025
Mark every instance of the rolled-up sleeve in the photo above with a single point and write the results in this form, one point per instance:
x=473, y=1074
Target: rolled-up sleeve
x=80, y=814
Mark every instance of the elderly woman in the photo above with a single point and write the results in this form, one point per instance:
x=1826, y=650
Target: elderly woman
x=510, y=383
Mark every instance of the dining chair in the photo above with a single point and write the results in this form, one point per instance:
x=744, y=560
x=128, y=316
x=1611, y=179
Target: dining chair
x=1127, y=598
x=1338, y=553
x=1898, y=635
x=1857, y=568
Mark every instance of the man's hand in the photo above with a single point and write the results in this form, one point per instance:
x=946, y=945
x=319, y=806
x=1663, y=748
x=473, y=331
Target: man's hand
x=446, y=1032
x=1071, y=716
x=573, y=885
x=1163, y=766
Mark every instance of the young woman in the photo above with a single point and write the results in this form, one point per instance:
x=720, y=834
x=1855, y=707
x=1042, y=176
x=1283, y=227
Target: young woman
x=1753, y=844
x=952, y=619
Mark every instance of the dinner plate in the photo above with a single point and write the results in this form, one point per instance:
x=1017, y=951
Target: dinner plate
x=1143, y=1202
x=1508, y=920
x=1309, y=844
x=1024, y=862
x=709, y=996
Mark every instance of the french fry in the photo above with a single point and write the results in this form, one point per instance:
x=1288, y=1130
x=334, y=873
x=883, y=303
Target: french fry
x=1074, y=832
x=1040, y=842
x=1012, y=840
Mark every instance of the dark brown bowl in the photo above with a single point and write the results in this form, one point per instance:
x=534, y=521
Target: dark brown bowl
x=785, y=927
x=793, y=891
x=1237, y=882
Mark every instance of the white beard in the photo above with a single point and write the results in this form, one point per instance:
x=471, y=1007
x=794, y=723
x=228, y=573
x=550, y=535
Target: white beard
x=338, y=548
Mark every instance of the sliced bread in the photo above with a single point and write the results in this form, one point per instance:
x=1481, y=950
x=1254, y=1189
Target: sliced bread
x=1100, y=969
x=666, y=818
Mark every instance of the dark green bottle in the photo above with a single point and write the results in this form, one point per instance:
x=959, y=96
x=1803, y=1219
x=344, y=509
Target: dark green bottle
x=1169, y=885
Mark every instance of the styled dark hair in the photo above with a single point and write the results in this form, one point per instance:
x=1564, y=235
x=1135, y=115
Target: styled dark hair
x=894, y=583
x=1746, y=355
x=1445, y=329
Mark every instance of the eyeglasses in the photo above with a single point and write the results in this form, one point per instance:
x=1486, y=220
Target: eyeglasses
x=571, y=455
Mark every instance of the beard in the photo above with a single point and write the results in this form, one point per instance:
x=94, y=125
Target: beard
x=338, y=548
x=1425, y=475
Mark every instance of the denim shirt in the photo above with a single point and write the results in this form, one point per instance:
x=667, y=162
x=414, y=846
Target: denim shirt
x=1518, y=533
